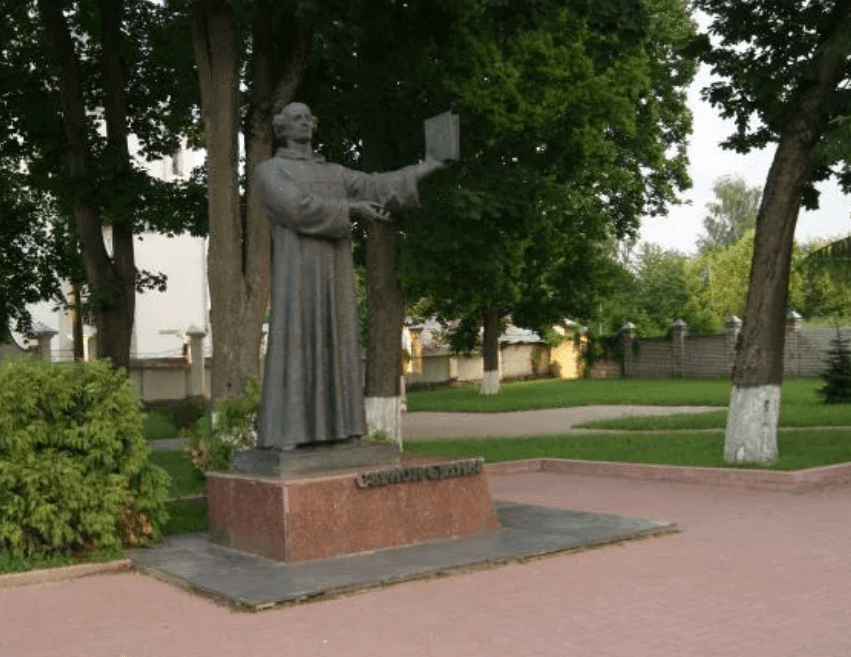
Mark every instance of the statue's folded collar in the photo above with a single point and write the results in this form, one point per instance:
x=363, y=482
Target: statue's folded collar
x=292, y=154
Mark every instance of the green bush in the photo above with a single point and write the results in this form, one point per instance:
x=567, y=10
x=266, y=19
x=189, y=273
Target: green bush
x=74, y=470
x=837, y=376
x=232, y=425
x=167, y=419
x=185, y=413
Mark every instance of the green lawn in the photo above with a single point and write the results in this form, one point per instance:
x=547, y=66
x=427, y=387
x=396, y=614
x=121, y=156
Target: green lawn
x=186, y=517
x=798, y=394
x=157, y=425
x=559, y=393
x=186, y=481
x=10, y=564
x=799, y=448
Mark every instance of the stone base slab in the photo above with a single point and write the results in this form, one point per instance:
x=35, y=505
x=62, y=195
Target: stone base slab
x=301, y=518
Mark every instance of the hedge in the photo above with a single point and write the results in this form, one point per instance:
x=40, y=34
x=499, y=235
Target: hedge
x=74, y=469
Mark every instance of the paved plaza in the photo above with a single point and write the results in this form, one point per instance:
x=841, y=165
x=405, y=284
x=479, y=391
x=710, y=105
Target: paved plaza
x=752, y=573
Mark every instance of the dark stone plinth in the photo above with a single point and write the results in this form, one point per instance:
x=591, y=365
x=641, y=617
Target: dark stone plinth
x=310, y=460
x=251, y=582
x=301, y=517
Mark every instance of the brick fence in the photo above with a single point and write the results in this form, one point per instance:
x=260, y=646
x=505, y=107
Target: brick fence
x=806, y=352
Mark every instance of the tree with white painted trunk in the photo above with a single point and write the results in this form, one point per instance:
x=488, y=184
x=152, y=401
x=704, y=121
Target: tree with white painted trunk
x=793, y=90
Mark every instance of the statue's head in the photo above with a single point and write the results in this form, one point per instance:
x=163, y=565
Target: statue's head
x=294, y=122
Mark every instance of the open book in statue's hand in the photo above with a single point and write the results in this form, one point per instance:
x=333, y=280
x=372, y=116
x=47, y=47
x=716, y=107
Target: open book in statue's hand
x=442, y=137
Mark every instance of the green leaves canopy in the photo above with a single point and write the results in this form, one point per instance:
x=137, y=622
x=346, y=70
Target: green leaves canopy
x=764, y=51
x=573, y=127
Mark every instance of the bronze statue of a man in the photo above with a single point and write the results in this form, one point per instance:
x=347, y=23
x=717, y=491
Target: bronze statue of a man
x=312, y=390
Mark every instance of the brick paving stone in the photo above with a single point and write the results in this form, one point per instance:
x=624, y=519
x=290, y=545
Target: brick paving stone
x=753, y=573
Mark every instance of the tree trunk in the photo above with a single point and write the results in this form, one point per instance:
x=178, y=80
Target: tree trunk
x=109, y=291
x=274, y=84
x=385, y=297
x=490, y=350
x=751, y=434
x=239, y=242
x=214, y=40
x=76, y=312
x=386, y=302
x=115, y=320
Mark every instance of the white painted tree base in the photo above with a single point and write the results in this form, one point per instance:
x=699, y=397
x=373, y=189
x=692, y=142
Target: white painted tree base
x=385, y=414
x=490, y=382
x=752, y=425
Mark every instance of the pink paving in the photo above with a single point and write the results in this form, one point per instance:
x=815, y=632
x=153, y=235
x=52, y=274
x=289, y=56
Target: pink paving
x=753, y=573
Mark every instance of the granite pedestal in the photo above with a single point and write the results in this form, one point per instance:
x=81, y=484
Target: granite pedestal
x=301, y=517
x=315, y=459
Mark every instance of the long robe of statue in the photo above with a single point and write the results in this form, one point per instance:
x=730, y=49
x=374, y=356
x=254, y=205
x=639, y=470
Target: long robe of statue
x=312, y=387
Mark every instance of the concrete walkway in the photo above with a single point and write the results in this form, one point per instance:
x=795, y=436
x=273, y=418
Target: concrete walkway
x=752, y=574
x=434, y=426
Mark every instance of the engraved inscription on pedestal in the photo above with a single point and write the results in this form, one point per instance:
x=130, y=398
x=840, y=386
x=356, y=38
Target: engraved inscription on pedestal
x=414, y=473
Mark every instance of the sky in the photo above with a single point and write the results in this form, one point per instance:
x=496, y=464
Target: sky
x=680, y=229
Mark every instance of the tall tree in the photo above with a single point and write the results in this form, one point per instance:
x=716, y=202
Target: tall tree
x=784, y=66
x=731, y=215
x=68, y=110
x=577, y=124
x=272, y=52
x=376, y=76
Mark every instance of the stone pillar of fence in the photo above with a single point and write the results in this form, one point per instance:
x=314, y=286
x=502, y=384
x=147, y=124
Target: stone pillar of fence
x=43, y=335
x=90, y=343
x=628, y=337
x=794, y=326
x=195, y=354
x=734, y=327
x=679, y=329
x=416, y=350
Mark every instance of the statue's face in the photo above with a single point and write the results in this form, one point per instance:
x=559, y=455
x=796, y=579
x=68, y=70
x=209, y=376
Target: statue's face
x=298, y=124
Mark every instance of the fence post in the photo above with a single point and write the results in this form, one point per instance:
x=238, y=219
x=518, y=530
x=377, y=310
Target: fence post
x=90, y=343
x=195, y=354
x=679, y=329
x=628, y=332
x=43, y=335
x=794, y=326
x=734, y=326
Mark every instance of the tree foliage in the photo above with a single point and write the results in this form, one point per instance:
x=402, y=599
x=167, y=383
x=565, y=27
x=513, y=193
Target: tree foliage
x=766, y=54
x=837, y=375
x=574, y=124
x=731, y=215
x=68, y=106
x=26, y=271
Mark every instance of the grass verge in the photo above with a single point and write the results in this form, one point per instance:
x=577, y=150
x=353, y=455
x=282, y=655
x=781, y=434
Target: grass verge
x=157, y=425
x=10, y=564
x=186, y=517
x=185, y=479
x=558, y=393
x=799, y=448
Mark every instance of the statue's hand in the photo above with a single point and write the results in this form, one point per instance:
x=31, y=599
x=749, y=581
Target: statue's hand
x=429, y=165
x=369, y=211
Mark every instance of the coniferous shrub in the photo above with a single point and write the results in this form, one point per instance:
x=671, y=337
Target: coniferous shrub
x=837, y=376
x=232, y=425
x=74, y=468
